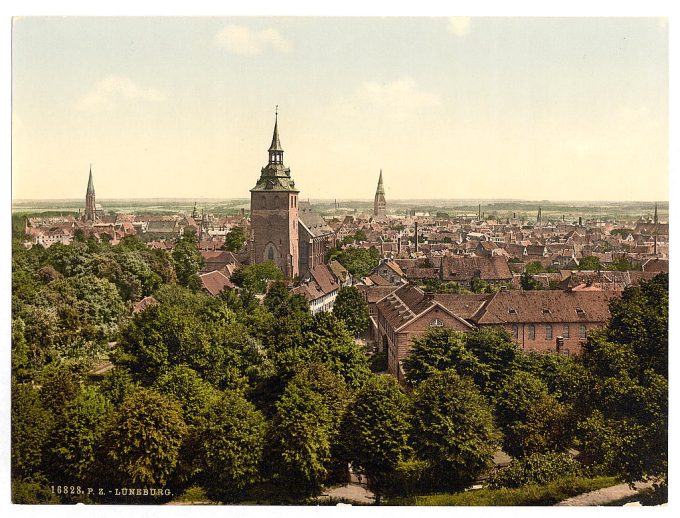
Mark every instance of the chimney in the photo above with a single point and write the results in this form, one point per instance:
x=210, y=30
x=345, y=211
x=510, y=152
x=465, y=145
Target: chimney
x=580, y=221
x=398, y=245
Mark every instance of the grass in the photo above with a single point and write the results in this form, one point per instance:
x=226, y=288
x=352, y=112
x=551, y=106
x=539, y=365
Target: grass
x=549, y=494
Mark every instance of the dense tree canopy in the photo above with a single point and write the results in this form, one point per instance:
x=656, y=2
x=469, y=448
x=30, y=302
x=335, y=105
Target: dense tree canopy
x=351, y=307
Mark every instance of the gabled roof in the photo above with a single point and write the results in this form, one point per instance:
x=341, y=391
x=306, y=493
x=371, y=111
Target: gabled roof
x=312, y=221
x=324, y=278
x=545, y=306
x=215, y=282
x=465, y=268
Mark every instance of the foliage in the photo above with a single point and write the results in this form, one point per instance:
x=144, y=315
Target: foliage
x=234, y=240
x=378, y=362
x=301, y=438
x=590, y=263
x=254, y=277
x=453, y=430
x=32, y=424
x=358, y=261
x=376, y=430
x=142, y=440
x=231, y=437
x=77, y=437
x=188, y=388
x=532, y=420
x=538, y=468
x=533, y=495
x=188, y=261
x=351, y=307
x=440, y=349
x=34, y=490
x=499, y=355
x=528, y=283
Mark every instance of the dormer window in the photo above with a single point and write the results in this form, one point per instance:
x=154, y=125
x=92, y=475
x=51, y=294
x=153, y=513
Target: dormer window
x=547, y=311
x=512, y=311
x=580, y=312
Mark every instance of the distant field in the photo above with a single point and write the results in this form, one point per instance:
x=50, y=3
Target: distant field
x=493, y=209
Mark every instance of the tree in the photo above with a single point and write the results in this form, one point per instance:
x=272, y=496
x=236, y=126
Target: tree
x=326, y=340
x=440, y=349
x=640, y=318
x=590, y=262
x=376, y=431
x=188, y=388
x=453, y=430
x=230, y=436
x=302, y=433
x=234, y=240
x=254, y=277
x=188, y=261
x=32, y=424
x=528, y=282
x=142, y=440
x=358, y=261
x=533, y=268
x=77, y=437
x=351, y=307
x=532, y=421
x=498, y=354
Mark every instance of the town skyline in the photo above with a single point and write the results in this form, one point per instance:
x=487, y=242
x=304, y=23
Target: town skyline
x=466, y=109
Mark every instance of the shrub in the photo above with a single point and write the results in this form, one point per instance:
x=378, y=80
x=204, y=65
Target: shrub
x=539, y=468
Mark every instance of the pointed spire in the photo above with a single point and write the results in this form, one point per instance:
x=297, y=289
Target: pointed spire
x=276, y=143
x=90, y=183
x=381, y=188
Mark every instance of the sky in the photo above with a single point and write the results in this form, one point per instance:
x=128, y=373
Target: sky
x=476, y=108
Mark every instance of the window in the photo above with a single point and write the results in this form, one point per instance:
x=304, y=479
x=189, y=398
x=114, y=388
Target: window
x=436, y=323
x=515, y=331
x=532, y=332
x=581, y=331
x=565, y=331
x=512, y=311
x=548, y=332
x=580, y=312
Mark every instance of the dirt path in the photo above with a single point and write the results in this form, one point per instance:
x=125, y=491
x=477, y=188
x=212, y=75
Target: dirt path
x=352, y=493
x=605, y=495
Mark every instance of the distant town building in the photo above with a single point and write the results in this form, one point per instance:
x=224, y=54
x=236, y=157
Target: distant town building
x=92, y=210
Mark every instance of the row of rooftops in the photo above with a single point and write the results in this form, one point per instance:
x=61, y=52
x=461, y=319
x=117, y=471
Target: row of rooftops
x=406, y=303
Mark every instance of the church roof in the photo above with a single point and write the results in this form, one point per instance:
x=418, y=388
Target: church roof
x=276, y=143
x=381, y=188
x=313, y=221
x=90, y=183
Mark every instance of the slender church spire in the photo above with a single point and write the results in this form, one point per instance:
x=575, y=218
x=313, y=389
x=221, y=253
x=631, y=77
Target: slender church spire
x=275, y=150
x=90, y=205
x=90, y=183
x=379, y=203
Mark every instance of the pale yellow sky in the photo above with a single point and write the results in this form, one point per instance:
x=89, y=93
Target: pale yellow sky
x=542, y=108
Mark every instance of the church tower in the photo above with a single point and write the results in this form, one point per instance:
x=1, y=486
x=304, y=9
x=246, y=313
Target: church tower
x=90, y=207
x=379, y=204
x=274, y=213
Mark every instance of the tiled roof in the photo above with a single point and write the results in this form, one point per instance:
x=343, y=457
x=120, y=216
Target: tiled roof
x=313, y=221
x=324, y=278
x=549, y=306
x=465, y=268
x=144, y=303
x=375, y=293
x=215, y=282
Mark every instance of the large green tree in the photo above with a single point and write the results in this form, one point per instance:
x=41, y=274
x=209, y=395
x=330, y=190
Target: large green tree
x=230, y=436
x=453, y=430
x=188, y=261
x=142, y=440
x=234, y=240
x=376, y=430
x=351, y=307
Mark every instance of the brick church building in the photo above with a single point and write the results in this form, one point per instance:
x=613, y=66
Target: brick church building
x=294, y=237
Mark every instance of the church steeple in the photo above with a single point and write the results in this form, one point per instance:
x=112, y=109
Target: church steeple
x=379, y=203
x=90, y=205
x=90, y=183
x=275, y=150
